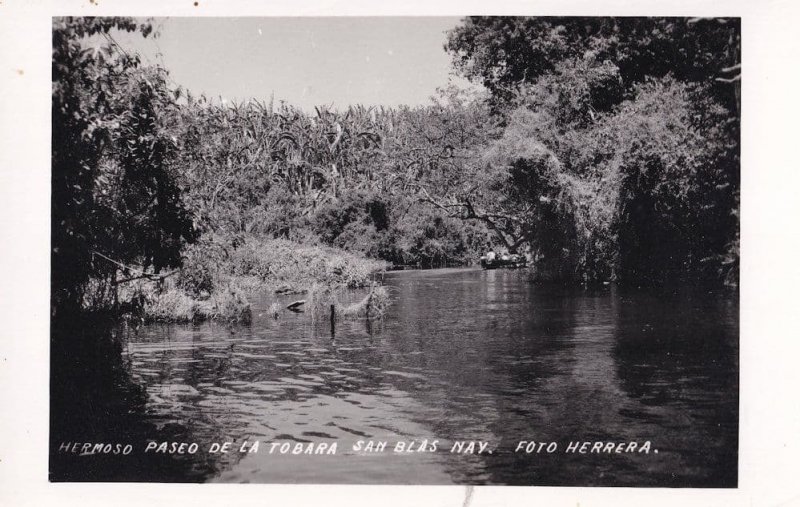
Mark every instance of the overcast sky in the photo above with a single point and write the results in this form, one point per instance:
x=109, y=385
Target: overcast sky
x=305, y=61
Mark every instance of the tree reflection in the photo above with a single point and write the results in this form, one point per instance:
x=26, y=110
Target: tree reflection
x=93, y=399
x=676, y=355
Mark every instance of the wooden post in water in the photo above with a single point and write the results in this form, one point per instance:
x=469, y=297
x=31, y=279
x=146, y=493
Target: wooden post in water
x=369, y=298
x=333, y=321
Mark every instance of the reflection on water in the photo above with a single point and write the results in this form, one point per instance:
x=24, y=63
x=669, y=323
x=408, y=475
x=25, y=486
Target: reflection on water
x=461, y=355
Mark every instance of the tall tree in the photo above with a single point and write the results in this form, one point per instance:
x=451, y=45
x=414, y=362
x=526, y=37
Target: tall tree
x=115, y=204
x=621, y=147
x=505, y=52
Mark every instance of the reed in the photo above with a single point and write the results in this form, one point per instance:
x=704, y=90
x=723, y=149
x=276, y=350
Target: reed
x=320, y=298
x=174, y=305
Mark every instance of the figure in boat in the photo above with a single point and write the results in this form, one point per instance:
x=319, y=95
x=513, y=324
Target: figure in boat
x=504, y=259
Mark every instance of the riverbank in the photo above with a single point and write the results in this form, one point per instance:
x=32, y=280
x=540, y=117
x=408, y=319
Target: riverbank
x=218, y=279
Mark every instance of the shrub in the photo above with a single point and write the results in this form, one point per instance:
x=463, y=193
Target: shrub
x=283, y=262
x=174, y=305
x=171, y=305
x=372, y=306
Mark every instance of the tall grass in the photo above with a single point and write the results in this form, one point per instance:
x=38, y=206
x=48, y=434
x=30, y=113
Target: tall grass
x=279, y=262
x=216, y=282
x=320, y=299
x=215, y=285
x=174, y=305
x=373, y=305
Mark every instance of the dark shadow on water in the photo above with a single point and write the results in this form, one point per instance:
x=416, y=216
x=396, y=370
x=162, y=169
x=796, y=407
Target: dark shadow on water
x=677, y=356
x=613, y=365
x=94, y=400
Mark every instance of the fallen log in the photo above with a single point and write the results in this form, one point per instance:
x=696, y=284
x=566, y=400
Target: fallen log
x=295, y=306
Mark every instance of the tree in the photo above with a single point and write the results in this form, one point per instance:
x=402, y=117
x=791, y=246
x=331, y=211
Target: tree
x=505, y=52
x=114, y=200
x=620, y=151
x=438, y=158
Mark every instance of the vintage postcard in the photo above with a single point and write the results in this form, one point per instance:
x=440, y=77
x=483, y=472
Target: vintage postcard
x=429, y=250
x=432, y=249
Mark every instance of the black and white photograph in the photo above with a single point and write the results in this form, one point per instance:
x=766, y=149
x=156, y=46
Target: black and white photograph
x=412, y=250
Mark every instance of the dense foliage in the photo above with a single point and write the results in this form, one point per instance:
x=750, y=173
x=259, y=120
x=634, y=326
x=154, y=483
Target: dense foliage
x=347, y=179
x=506, y=53
x=605, y=149
x=117, y=211
x=620, y=154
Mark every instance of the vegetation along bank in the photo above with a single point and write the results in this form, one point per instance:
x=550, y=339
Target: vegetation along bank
x=600, y=154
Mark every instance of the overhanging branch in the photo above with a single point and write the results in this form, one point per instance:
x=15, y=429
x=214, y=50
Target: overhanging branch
x=465, y=210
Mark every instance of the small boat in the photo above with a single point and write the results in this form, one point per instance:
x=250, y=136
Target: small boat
x=512, y=262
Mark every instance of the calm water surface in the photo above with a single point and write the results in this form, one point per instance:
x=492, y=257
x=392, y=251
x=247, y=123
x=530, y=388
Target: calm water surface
x=461, y=355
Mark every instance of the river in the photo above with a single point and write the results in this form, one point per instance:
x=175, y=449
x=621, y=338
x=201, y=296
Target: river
x=462, y=355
